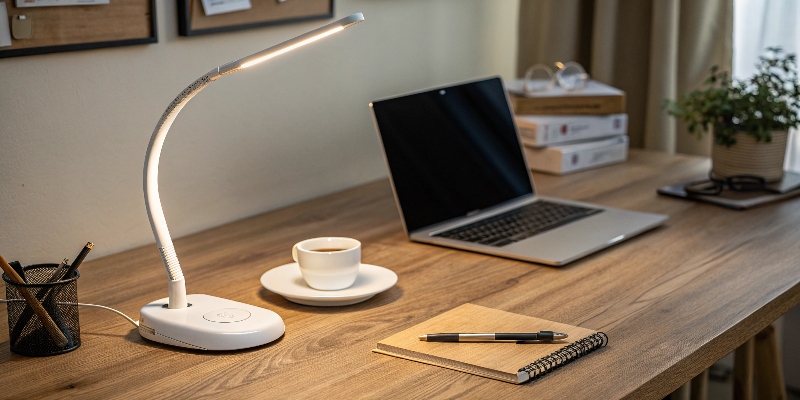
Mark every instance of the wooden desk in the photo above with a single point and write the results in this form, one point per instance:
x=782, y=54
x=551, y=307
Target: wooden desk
x=673, y=301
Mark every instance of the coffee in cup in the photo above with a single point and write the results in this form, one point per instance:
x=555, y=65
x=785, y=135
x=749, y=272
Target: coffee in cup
x=328, y=263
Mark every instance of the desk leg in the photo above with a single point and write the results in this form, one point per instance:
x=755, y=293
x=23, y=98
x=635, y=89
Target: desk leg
x=682, y=393
x=743, y=371
x=700, y=386
x=768, y=368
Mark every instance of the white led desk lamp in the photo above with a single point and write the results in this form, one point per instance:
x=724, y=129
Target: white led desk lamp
x=200, y=321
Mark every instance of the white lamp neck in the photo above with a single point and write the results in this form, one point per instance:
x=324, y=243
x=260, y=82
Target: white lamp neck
x=177, y=292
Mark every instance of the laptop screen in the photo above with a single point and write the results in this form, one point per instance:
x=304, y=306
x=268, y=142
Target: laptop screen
x=452, y=151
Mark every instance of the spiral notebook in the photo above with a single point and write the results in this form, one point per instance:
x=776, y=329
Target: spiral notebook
x=508, y=362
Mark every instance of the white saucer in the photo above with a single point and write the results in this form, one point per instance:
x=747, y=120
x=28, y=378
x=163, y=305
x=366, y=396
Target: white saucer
x=288, y=282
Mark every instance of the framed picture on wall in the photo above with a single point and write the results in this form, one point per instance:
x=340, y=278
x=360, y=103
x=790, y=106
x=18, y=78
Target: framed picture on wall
x=37, y=27
x=199, y=17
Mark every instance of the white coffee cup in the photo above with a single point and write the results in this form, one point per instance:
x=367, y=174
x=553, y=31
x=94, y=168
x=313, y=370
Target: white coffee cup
x=328, y=263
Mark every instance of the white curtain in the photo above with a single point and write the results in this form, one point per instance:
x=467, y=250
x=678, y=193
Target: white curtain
x=759, y=24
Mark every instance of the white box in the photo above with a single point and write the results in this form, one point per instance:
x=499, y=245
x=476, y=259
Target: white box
x=575, y=157
x=546, y=130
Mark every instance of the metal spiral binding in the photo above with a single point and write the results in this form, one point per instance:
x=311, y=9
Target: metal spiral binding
x=565, y=355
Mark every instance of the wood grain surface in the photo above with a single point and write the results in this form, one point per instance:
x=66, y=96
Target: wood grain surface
x=672, y=301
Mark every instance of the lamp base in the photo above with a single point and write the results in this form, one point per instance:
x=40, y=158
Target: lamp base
x=210, y=323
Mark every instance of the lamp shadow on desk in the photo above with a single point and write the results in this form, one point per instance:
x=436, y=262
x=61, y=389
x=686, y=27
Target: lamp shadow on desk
x=8, y=356
x=379, y=300
x=134, y=337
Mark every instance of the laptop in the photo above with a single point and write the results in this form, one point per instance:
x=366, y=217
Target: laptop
x=460, y=179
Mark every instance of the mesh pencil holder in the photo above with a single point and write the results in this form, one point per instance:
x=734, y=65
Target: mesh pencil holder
x=27, y=333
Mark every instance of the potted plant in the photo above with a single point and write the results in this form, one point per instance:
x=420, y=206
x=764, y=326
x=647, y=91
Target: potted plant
x=750, y=118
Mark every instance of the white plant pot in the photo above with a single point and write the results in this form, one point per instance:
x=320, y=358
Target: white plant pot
x=749, y=157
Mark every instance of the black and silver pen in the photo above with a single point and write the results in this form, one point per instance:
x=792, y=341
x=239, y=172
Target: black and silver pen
x=491, y=337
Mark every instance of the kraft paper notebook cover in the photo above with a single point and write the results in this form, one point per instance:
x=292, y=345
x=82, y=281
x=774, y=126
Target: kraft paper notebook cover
x=509, y=362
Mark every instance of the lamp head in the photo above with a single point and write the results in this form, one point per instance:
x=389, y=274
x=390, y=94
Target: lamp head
x=351, y=20
x=292, y=44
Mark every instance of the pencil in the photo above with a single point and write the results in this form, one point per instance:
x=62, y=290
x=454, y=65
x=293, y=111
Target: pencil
x=52, y=328
x=57, y=275
x=78, y=260
x=20, y=271
x=44, y=291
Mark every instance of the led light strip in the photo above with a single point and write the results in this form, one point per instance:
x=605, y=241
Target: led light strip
x=292, y=47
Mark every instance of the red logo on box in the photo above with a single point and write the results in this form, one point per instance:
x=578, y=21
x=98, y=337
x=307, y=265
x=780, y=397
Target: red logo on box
x=563, y=129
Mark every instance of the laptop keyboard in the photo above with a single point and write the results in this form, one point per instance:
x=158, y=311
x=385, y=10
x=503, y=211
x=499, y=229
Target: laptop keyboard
x=518, y=224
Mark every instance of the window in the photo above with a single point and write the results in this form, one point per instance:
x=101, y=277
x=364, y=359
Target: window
x=758, y=24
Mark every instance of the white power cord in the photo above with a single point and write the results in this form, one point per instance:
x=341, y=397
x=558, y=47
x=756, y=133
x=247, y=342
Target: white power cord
x=86, y=305
x=135, y=323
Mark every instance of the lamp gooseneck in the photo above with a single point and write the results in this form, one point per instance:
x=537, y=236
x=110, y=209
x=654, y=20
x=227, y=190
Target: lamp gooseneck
x=177, y=286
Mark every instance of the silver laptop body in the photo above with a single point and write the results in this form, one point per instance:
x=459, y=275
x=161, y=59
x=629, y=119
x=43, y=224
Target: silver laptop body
x=438, y=144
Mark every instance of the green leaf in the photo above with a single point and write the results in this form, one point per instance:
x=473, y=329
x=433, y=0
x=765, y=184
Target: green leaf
x=768, y=101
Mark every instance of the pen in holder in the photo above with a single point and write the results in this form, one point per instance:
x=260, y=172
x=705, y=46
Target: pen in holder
x=28, y=334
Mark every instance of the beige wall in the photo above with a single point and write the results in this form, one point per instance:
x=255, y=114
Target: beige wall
x=74, y=126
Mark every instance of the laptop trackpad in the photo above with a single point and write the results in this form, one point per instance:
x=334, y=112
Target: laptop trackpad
x=587, y=235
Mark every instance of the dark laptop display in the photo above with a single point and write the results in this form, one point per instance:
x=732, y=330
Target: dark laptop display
x=452, y=151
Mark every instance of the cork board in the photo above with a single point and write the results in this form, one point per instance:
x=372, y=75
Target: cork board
x=69, y=28
x=193, y=21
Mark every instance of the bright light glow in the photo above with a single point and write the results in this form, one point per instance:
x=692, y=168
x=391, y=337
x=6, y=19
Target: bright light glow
x=559, y=64
x=292, y=47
